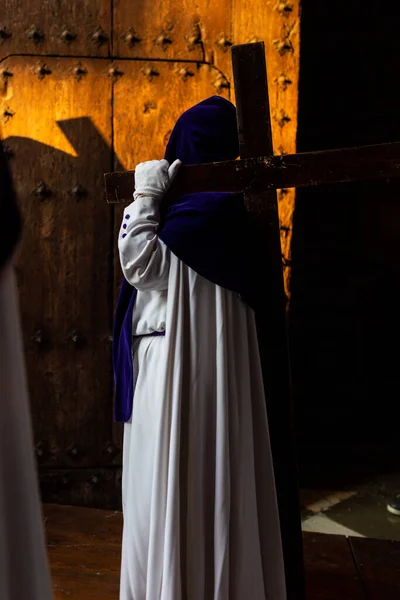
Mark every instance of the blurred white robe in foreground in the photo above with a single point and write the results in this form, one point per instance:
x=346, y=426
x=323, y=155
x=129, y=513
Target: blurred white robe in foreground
x=24, y=572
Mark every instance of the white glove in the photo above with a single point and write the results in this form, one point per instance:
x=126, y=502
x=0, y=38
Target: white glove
x=153, y=178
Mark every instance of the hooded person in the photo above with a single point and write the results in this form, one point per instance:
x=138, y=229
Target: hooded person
x=200, y=510
x=24, y=571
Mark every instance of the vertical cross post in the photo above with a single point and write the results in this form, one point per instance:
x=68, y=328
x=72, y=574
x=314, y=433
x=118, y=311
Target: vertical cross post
x=255, y=139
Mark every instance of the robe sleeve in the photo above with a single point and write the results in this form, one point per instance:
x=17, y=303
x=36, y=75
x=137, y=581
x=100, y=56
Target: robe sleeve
x=143, y=256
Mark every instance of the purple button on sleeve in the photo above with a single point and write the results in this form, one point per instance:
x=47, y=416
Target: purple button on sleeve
x=127, y=216
x=124, y=235
x=124, y=225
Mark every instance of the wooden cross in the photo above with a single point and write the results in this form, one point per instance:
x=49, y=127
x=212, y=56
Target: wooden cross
x=258, y=174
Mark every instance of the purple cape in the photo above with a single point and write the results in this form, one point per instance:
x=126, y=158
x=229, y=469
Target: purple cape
x=209, y=232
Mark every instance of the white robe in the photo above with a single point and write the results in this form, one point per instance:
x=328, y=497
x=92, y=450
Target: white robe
x=24, y=573
x=200, y=511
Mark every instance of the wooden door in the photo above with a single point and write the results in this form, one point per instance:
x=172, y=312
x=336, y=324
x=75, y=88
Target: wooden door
x=85, y=88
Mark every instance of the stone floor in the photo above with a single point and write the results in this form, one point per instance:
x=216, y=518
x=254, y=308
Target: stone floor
x=357, y=510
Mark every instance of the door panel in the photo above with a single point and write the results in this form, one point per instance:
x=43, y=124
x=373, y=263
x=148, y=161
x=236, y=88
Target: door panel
x=57, y=132
x=168, y=30
x=61, y=119
x=149, y=98
x=61, y=28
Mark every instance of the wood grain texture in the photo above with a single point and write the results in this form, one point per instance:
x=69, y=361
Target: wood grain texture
x=84, y=550
x=168, y=30
x=331, y=572
x=84, y=553
x=62, y=28
x=148, y=99
x=66, y=525
x=277, y=23
x=255, y=138
x=64, y=267
x=308, y=169
x=379, y=565
x=98, y=487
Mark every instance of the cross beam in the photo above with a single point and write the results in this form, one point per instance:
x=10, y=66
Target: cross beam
x=380, y=161
x=255, y=140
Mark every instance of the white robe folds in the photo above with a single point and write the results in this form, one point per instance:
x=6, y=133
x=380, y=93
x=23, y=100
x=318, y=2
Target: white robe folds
x=24, y=573
x=200, y=511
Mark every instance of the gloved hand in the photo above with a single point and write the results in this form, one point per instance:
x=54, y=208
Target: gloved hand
x=154, y=177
